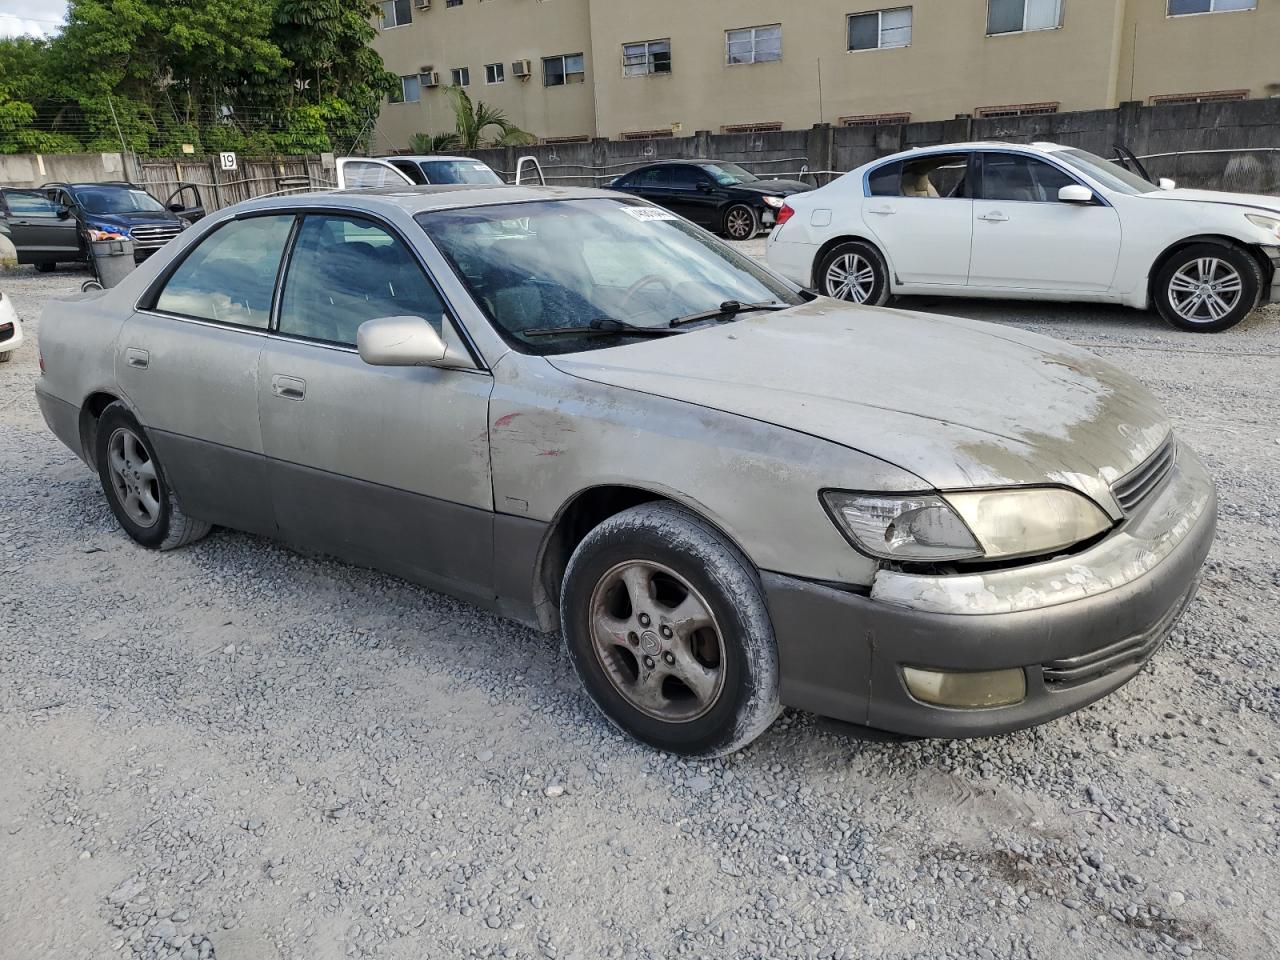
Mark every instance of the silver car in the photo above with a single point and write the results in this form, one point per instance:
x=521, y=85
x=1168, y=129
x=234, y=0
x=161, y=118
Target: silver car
x=582, y=412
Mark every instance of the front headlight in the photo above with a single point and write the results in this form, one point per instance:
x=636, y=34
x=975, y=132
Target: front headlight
x=775, y=202
x=97, y=234
x=1270, y=224
x=969, y=525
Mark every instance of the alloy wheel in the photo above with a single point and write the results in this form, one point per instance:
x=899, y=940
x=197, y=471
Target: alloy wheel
x=1205, y=290
x=657, y=641
x=739, y=224
x=133, y=477
x=851, y=277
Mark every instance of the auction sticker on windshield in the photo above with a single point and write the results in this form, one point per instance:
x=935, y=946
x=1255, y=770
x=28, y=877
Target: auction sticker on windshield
x=646, y=214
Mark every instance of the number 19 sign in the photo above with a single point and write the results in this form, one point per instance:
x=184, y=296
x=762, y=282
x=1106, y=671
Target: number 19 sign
x=227, y=160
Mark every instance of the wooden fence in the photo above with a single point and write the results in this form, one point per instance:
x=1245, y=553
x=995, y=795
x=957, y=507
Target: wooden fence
x=220, y=188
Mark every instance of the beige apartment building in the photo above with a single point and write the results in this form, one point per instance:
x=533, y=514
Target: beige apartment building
x=577, y=69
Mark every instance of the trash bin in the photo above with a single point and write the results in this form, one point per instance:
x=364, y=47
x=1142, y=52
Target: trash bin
x=112, y=260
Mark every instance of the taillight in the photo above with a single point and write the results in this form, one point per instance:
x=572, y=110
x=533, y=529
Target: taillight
x=785, y=214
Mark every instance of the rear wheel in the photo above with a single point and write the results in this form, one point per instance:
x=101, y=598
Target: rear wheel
x=1208, y=287
x=856, y=272
x=666, y=624
x=741, y=222
x=135, y=484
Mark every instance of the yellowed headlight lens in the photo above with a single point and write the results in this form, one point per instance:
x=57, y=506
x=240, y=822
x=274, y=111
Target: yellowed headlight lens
x=1030, y=522
x=968, y=690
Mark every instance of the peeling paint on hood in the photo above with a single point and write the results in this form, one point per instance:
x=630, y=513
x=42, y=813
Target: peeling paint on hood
x=956, y=402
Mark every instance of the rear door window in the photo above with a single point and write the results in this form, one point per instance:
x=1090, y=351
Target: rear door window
x=346, y=270
x=230, y=276
x=886, y=181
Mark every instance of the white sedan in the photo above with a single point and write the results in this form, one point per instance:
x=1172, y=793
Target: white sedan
x=10, y=329
x=1037, y=222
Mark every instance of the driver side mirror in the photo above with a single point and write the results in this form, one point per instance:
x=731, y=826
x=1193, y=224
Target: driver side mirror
x=1167, y=184
x=1075, y=193
x=407, y=342
x=64, y=212
x=704, y=187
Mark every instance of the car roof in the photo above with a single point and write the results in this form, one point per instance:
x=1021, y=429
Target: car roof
x=419, y=157
x=422, y=199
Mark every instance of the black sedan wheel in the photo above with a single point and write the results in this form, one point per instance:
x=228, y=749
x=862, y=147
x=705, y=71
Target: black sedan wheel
x=741, y=222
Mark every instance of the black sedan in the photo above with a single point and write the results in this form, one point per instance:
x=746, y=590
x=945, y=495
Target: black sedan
x=719, y=196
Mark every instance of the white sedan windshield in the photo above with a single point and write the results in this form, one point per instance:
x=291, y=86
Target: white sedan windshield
x=571, y=263
x=1110, y=175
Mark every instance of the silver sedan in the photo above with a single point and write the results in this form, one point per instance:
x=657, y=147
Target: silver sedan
x=585, y=413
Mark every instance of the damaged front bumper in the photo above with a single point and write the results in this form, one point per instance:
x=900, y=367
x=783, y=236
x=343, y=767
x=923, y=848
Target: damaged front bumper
x=1077, y=627
x=1271, y=294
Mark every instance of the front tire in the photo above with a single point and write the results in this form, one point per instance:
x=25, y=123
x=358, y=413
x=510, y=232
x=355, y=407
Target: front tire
x=1208, y=287
x=135, y=484
x=741, y=222
x=666, y=624
x=854, y=271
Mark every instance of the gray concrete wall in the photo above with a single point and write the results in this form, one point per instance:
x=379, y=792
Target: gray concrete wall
x=33, y=170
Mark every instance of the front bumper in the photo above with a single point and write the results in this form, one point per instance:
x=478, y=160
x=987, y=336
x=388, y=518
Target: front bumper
x=1272, y=293
x=1079, y=627
x=10, y=327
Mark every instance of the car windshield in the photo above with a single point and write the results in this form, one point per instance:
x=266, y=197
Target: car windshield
x=1110, y=175
x=104, y=199
x=457, y=171
x=727, y=174
x=554, y=264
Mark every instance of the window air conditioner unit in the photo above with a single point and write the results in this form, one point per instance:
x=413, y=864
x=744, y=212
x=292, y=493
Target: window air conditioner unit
x=522, y=68
x=429, y=79
x=422, y=4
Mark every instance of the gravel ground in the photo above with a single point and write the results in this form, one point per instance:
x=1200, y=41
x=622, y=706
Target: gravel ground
x=234, y=750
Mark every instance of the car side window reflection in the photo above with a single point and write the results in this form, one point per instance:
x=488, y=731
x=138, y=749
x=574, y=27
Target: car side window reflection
x=230, y=276
x=1012, y=176
x=346, y=270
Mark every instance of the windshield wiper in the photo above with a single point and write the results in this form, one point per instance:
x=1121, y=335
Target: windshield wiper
x=728, y=310
x=601, y=327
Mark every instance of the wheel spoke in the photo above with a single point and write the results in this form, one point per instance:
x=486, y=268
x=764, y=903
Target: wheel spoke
x=700, y=680
x=150, y=505
x=116, y=459
x=130, y=448
x=688, y=616
x=610, y=630
x=1183, y=284
x=639, y=584
x=147, y=470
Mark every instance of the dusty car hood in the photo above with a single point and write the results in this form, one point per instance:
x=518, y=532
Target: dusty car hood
x=1254, y=200
x=956, y=402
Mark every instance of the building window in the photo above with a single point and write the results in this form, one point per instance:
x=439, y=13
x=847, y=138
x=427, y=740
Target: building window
x=1018, y=16
x=1180, y=8
x=453, y=3
x=876, y=120
x=767, y=127
x=495, y=72
x=580, y=138
x=753, y=44
x=1017, y=110
x=461, y=76
x=663, y=134
x=642, y=59
x=557, y=71
x=410, y=90
x=395, y=13
x=1209, y=96
x=880, y=29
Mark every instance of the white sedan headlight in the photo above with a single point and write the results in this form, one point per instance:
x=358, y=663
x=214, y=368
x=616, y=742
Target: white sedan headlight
x=775, y=202
x=1270, y=224
x=970, y=525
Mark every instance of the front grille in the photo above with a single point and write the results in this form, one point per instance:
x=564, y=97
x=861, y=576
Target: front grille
x=1136, y=486
x=149, y=238
x=1073, y=671
x=6, y=332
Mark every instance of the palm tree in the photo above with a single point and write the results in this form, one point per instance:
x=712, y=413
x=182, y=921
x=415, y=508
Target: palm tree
x=471, y=120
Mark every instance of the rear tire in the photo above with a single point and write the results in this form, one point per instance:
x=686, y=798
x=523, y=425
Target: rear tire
x=1208, y=287
x=740, y=222
x=46, y=267
x=135, y=485
x=689, y=665
x=854, y=271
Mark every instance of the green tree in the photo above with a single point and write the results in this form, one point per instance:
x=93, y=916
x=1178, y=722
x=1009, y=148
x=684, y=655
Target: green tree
x=471, y=121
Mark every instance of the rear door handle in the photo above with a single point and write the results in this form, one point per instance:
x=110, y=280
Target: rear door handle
x=883, y=211
x=995, y=216
x=290, y=388
x=137, y=357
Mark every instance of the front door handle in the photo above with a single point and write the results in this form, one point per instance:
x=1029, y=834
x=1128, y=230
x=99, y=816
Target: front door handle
x=290, y=388
x=138, y=358
x=883, y=211
x=995, y=216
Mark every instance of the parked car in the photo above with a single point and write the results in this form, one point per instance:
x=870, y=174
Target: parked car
x=112, y=211
x=1032, y=222
x=445, y=169
x=43, y=232
x=581, y=411
x=720, y=196
x=10, y=329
